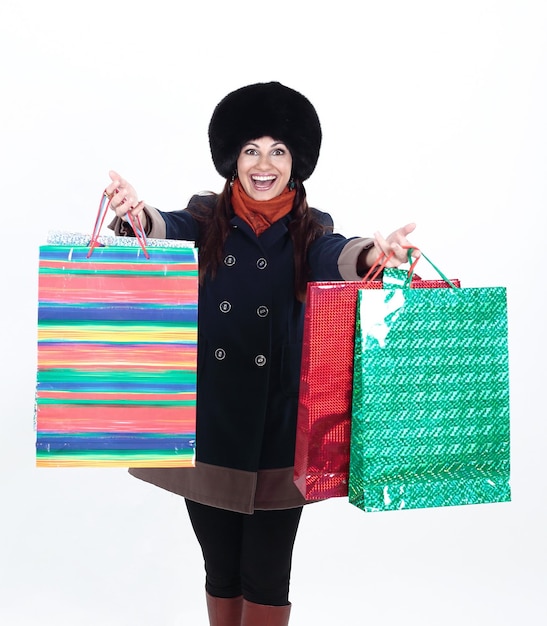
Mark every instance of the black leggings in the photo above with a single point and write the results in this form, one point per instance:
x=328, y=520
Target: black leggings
x=247, y=555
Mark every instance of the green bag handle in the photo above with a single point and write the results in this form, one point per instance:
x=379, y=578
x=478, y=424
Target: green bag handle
x=413, y=265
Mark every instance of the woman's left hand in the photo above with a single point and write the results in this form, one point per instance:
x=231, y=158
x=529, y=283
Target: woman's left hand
x=396, y=243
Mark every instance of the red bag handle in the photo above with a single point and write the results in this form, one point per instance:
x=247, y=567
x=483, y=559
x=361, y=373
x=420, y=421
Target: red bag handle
x=135, y=223
x=381, y=261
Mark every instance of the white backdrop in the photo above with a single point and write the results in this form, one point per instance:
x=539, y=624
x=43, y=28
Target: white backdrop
x=433, y=112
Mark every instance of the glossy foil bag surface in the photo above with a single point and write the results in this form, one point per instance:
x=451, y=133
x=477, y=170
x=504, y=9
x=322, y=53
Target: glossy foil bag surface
x=430, y=422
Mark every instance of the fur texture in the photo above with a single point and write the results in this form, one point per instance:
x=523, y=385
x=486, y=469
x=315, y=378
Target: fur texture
x=265, y=110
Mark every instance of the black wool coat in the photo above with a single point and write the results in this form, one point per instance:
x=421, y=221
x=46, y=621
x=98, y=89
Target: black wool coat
x=249, y=349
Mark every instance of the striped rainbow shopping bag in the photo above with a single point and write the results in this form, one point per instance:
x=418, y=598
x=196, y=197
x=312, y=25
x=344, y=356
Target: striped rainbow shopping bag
x=117, y=352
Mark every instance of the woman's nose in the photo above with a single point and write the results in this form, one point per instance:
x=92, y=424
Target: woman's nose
x=264, y=161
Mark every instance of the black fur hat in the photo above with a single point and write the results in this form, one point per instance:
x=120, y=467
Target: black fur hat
x=265, y=110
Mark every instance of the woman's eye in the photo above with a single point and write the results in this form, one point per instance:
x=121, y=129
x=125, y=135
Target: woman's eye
x=278, y=152
x=251, y=151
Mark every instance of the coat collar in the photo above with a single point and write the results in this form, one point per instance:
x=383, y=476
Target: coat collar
x=270, y=236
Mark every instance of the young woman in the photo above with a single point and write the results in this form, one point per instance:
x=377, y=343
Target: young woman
x=259, y=244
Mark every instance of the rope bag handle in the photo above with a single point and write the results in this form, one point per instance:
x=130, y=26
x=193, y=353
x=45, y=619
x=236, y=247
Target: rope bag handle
x=135, y=223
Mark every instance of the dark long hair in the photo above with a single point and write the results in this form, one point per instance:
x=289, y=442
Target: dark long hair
x=304, y=228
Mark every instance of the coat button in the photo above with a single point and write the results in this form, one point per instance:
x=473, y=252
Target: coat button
x=220, y=354
x=230, y=260
x=262, y=311
x=260, y=360
x=225, y=306
x=261, y=263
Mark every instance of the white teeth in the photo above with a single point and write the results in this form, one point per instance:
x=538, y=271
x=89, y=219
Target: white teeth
x=263, y=178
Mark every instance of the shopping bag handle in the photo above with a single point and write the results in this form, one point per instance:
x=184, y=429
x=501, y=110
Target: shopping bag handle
x=413, y=266
x=135, y=223
x=380, y=264
x=381, y=261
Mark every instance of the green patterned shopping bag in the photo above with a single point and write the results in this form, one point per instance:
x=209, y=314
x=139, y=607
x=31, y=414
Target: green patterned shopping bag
x=430, y=422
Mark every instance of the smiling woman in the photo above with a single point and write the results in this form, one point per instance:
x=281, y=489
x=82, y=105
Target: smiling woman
x=259, y=244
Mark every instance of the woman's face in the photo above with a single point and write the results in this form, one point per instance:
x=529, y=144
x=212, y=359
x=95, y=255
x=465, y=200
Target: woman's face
x=264, y=168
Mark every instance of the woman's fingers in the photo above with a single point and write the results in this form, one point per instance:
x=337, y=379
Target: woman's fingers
x=406, y=230
x=137, y=209
x=390, y=249
x=123, y=196
x=396, y=245
x=117, y=181
x=120, y=202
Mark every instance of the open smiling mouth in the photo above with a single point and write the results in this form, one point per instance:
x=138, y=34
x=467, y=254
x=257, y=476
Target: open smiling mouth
x=263, y=183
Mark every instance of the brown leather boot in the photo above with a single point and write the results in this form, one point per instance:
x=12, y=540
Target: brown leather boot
x=224, y=611
x=264, y=615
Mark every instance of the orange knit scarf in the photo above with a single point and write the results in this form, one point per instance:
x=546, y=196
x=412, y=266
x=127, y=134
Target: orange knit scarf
x=261, y=214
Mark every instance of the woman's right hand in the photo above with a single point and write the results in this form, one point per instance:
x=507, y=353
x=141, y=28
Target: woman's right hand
x=124, y=198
